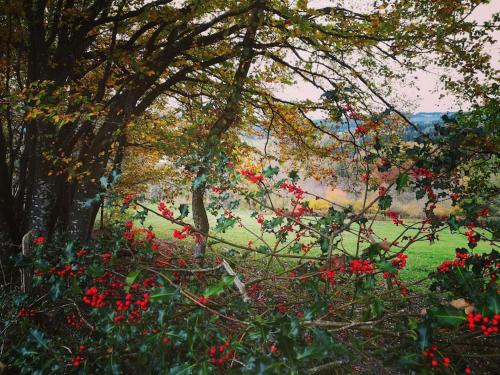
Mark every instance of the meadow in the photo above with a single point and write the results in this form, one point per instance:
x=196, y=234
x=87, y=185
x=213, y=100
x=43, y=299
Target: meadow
x=423, y=256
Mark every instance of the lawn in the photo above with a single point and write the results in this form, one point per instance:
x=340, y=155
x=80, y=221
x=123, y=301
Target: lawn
x=422, y=256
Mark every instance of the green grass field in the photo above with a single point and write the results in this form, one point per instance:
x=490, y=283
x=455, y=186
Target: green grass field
x=423, y=256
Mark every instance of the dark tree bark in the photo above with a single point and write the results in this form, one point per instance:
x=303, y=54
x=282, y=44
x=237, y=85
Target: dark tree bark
x=59, y=55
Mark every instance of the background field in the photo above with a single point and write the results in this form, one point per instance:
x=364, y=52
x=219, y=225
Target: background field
x=422, y=256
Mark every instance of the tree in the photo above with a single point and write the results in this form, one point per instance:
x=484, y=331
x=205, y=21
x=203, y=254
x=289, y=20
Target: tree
x=76, y=73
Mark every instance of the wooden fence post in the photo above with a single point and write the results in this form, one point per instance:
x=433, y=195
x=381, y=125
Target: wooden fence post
x=27, y=250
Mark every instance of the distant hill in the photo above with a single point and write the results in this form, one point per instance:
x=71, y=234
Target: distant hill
x=425, y=122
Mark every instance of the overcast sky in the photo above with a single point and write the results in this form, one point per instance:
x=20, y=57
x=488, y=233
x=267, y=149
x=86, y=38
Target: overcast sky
x=426, y=96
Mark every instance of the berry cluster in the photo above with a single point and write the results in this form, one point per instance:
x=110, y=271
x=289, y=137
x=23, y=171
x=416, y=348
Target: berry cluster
x=360, y=129
x=219, y=354
x=294, y=189
x=488, y=326
x=183, y=233
x=394, y=216
x=76, y=360
x=432, y=357
x=39, y=240
x=81, y=252
x=329, y=276
x=203, y=300
x=299, y=210
x=124, y=306
x=128, y=199
x=418, y=173
x=392, y=277
x=400, y=261
x=165, y=211
x=252, y=176
x=260, y=218
x=350, y=111
x=68, y=270
x=144, y=303
x=459, y=261
x=360, y=266
x=216, y=190
x=74, y=321
x=472, y=236
x=484, y=212
x=93, y=298
x=26, y=313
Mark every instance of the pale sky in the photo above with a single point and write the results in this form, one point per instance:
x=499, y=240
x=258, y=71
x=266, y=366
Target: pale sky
x=425, y=97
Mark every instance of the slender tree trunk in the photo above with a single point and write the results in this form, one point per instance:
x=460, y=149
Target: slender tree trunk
x=227, y=119
x=200, y=219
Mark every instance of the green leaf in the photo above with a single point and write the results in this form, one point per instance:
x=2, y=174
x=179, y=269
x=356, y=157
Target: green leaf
x=378, y=308
x=386, y=266
x=493, y=301
x=225, y=223
x=410, y=360
x=424, y=335
x=324, y=244
x=372, y=251
x=69, y=251
x=55, y=291
x=294, y=176
x=96, y=270
x=38, y=337
x=402, y=181
x=217, y=288
x=447, y=316
x=164, y=295
x=419, y=194
x=270, y=171
x=75, y=288
x=131, y=279
x=184, y=210
x=385, y=202
x=452, y=222
x=181, y=369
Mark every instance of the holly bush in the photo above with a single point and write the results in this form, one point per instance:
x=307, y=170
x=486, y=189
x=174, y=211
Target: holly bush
x=304, y=302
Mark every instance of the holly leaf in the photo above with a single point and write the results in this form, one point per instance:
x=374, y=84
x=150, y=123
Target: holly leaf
x=452, y=222
x=402, y=181
x=386, y=266
x=270, y=171
x=225, y=223
x=424, y=336
x=55, y=291
x=132, y=276
x=294, y=175
x=493, y=301
x=219, y=287
x=38, y=337
x=324, y=244
x=164, y=294
x=447, y=316
x=184, y=210
x=385, y=202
